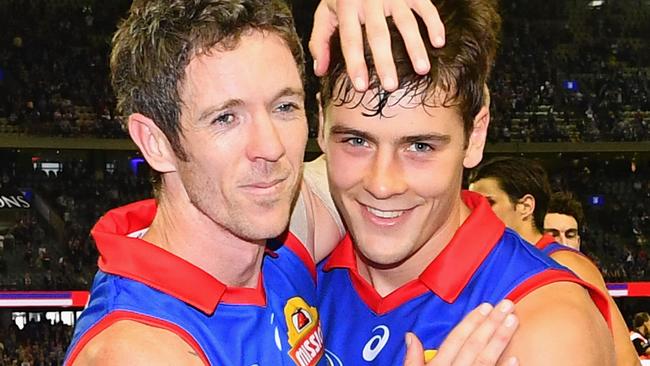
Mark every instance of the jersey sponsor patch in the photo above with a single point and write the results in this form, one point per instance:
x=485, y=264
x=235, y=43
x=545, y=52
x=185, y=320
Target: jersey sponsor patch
x=305, y=333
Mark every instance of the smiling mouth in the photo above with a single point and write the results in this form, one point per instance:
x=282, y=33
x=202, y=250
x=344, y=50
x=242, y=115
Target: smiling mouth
x=385, y=214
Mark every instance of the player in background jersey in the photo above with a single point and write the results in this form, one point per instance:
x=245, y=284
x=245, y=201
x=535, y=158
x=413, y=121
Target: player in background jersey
x=518, y=191
x=564, y=218
x=191, y=278
x=640, y=333
x=395, y=162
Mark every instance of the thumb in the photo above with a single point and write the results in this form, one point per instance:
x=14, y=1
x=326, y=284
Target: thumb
x=414, y=351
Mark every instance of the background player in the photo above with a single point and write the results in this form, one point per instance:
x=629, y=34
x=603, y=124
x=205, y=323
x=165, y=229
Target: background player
x=640, y=333
x=518, y=191
x=564, y=218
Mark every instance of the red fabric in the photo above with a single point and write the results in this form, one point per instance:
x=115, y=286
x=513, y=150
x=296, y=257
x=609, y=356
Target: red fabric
x=294, y=244
x=149, y=264
x=544, y=241
x=116, y=316
x=552, y=276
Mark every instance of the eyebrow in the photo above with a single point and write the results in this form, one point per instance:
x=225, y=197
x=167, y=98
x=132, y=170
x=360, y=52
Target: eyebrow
x=289, y=92
x=341, y=130
x=232, y=103
x=436, y=138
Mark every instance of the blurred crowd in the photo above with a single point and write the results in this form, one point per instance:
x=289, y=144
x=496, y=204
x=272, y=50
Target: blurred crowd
x=583, y=76
x=615, y=194
x=565, y=72
x=34, y=255
x=37, y=344
x=53, y=68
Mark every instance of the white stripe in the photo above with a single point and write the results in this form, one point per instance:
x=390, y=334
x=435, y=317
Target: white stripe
x=35, y=302
x=618, y=293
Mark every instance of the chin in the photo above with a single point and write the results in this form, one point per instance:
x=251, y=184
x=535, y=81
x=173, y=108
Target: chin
x=384, y=259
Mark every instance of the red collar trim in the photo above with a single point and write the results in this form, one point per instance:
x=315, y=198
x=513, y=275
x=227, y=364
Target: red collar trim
x=147, y=263
x=448, y=273
x=544, y=241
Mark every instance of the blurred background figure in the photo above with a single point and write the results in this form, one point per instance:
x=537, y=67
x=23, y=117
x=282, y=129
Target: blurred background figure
x=564, y=218
x=519, y=192
x=639, y=336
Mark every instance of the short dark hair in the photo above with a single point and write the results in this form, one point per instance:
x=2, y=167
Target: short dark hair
x=154, y=44
x=460, y=69
x=564, y=203
x=518, y=177
x=640, y=319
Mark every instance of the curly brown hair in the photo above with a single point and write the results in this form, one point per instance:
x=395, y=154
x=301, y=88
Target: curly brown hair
x=460, y=69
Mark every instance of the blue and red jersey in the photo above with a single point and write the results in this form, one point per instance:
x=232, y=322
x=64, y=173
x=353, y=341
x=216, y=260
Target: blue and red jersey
x=273, y=324
x=484, y=262
x=548, y=245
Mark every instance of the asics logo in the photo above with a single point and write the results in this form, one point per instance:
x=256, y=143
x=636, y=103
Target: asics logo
x=376, y=343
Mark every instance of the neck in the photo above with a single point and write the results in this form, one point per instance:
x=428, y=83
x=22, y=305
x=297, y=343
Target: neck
x=387, y=280
x=181, y=229
x=530, y=234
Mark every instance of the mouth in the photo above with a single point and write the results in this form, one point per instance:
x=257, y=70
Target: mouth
x=266, y=184
x=383, y=217
x=266, y=187
x=385, y=214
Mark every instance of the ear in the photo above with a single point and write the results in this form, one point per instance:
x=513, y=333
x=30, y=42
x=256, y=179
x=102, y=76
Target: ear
x=152, y=142
x=321, y=125
x=476, y=141
x=525, y=207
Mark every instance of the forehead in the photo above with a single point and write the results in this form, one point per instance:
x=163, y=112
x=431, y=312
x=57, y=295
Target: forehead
x=560, y=221
x=487, y=186
x=241, y=73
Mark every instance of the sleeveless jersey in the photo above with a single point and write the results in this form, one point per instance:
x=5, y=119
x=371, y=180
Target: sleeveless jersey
x=548, y=245
x=273, y=324
x=484, y=262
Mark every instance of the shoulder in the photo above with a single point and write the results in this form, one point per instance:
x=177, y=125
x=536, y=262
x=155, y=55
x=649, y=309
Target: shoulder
x=128, y=342
x=560, y=325
x=582, y=266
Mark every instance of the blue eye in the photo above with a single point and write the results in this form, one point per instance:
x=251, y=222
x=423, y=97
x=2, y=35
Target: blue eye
x=420, y=147
x=355, y=141
x=224, y=119
x=287, y=107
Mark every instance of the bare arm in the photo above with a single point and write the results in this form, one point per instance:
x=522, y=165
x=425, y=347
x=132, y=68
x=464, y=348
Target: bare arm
x=588, y=272
x=350, y=15
x=131, y=343
x=560, y=325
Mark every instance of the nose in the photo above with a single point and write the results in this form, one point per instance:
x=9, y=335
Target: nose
x=384, y=178
x=265, y=141
x=561, y=238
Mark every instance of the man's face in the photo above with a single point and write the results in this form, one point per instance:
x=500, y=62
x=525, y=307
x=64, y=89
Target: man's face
x=244, y=131
x=396, y=180
x=564, y=229
x=499, y=200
